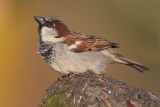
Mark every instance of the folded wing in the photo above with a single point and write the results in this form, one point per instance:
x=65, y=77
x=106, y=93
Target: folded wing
x=79, y=42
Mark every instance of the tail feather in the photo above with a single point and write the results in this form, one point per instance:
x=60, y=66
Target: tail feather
x=134, y=64
x=139, y=67
x=129, y=62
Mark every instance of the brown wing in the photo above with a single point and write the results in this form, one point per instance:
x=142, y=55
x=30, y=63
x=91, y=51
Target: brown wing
x=87, y=43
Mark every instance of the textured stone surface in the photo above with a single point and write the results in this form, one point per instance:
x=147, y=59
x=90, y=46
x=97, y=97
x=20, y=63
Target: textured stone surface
x=96, y=90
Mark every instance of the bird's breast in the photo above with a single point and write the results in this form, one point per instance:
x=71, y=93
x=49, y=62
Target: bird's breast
x=61, y=59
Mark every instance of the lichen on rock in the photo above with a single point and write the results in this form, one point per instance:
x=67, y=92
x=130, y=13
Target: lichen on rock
x=96, y=90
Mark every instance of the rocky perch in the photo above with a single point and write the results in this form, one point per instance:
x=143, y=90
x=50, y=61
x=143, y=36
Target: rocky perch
x=96, y=90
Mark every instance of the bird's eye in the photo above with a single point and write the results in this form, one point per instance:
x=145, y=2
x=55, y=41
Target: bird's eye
x=50, y=23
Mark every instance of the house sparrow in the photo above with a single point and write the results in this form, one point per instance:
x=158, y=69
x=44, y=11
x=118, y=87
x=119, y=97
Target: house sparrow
x=72, y=52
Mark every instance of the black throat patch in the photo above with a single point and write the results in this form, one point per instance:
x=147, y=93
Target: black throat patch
x=46, y=52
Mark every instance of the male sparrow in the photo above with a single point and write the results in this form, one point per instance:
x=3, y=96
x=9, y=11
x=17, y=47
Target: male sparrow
x=72, y=52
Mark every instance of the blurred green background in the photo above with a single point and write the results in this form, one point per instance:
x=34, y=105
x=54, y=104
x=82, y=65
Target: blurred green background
x=24, y=76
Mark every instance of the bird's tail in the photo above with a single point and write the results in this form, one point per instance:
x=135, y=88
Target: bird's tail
x=135, y=65
x=123, y=60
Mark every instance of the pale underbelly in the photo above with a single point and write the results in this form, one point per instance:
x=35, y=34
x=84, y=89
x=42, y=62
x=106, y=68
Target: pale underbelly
x=79, y=62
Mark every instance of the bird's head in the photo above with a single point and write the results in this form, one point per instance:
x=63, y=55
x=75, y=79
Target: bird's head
x=52, y=29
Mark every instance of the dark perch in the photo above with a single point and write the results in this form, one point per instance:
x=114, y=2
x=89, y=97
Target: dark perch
x=96, y=90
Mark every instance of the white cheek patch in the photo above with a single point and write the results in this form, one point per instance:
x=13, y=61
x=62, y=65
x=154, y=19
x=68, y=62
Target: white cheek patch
x=75, y=45
x=49, y=34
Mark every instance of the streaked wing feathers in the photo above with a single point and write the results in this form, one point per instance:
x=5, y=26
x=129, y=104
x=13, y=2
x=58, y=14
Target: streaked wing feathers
x=87, y=42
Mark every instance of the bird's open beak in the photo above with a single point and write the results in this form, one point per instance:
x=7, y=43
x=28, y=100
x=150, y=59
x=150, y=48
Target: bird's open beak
x=39, y=19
